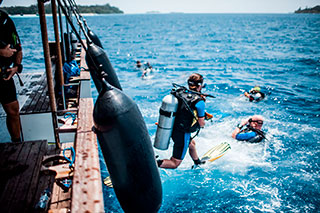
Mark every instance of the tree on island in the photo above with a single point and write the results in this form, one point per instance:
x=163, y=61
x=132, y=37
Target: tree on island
x=33, y=9
x=315, y=9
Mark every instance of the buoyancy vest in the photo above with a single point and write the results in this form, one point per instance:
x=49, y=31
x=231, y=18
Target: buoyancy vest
x=260, y=135
x=256, y=96
x=186, y=118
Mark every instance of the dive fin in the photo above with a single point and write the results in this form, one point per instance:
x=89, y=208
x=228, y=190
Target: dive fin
x=216, y=152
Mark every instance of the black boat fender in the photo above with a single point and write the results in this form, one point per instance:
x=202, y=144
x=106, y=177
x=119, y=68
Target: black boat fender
x=127, y=149
x=94, y=38
x=74, y=42
x=98, y=63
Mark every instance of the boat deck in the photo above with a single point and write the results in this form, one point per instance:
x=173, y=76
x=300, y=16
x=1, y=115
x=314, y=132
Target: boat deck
x=20, y=164
x=25, y=174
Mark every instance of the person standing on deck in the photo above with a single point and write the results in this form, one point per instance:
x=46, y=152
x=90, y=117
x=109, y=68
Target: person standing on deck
x=10, y=54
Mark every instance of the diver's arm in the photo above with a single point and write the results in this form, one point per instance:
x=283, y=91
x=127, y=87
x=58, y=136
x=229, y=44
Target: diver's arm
x=245, y=136
x=249, y=96
x=18, y=59
x=237, y=130
x=201, y=122
x=7, y=51
x=200, y=106
x=15, y=68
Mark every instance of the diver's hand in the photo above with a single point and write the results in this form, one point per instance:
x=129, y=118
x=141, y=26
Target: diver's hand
x=244, y=122
x=203, y=97
x=247, y=94
x=208, y=116
x=7, y=51
x=12, y=71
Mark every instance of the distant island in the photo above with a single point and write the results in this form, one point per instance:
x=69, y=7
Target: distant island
x=315, y=9
x=33, y=9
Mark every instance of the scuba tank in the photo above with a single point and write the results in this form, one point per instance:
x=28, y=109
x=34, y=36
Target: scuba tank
x=168, y=112
x=167, y=116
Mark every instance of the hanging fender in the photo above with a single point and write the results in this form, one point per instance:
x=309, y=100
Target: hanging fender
x=94, y=38
x=128, y=152
x=98, y=63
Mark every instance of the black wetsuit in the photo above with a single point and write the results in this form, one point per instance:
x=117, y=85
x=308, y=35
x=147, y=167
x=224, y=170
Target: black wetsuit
x=10, y=36
x=256, y=96
x=250, y=135
x=185, y=121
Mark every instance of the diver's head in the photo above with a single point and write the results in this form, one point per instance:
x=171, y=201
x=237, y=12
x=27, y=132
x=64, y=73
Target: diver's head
x=195, y=82
x=256, y=121
x=255, y=89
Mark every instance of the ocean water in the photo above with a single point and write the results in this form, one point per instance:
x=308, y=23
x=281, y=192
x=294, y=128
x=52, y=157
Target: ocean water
x=234, y=52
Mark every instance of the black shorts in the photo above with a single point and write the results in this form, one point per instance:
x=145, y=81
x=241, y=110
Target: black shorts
x=8, y=92
x=181, y=143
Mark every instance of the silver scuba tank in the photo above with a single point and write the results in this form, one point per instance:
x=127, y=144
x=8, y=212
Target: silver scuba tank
x=167, y=115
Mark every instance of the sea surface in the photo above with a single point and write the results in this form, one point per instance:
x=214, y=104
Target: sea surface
x=234, y=52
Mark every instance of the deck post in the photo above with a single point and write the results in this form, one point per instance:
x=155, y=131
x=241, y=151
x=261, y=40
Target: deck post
x=58, y=49
x=61, y=35
x=46, y=52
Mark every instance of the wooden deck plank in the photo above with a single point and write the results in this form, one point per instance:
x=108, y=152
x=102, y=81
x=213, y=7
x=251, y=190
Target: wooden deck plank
x=31, y=195
x=46, y=180
x=9, y=155
x=16, y=168
x=13, y=198
x=87, y=187
x=41, y=91
x=46, y=105
x=42, y=100
x=35, y=95
x=30, y=177
x=28, y=102
x=60, y=198
x=38, y=101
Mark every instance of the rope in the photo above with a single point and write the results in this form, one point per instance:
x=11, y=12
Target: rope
x=72, y=115
x=73, y=155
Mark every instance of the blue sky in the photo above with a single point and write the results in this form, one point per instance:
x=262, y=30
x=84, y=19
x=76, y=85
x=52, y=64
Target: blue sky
x=194, y=6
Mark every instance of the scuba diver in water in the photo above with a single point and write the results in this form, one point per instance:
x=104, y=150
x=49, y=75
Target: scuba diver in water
x=147, y=69
x=190, y=117
x=252, y=132
x=139, y=64
x=255, y=94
